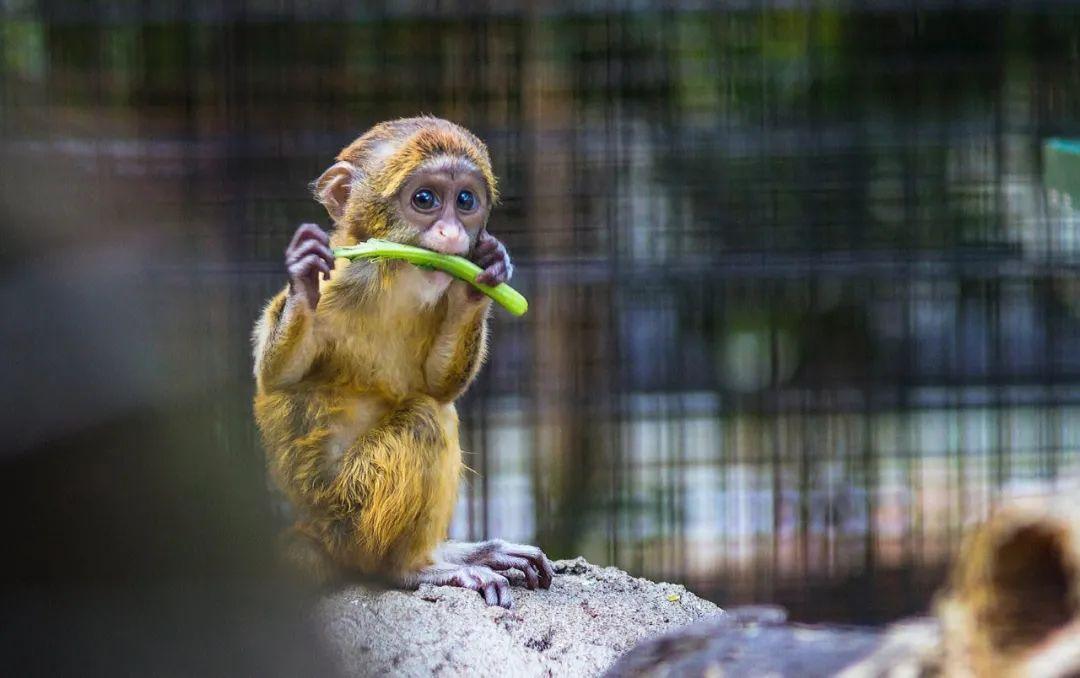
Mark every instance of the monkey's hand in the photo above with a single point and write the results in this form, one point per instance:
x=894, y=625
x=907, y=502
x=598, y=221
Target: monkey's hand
x=491, y=255
x=307, y=254
x=494, y=587
x=502, y=556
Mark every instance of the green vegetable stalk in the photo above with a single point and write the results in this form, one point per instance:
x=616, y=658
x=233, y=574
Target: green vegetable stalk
x=459, y=267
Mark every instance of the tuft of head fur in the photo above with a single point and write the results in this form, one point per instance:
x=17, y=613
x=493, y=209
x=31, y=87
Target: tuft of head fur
x=386, y=156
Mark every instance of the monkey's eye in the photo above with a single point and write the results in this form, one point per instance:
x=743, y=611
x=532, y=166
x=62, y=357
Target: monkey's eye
x=466, y=201
x=424, y=199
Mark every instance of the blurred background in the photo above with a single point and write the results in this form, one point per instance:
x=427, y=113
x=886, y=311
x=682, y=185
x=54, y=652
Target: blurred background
x=803, y=285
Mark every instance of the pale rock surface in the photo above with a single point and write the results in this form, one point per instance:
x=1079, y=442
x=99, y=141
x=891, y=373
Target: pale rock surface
x=579, y=627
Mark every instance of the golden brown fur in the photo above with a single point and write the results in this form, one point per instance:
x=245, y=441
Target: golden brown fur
x=355, y=399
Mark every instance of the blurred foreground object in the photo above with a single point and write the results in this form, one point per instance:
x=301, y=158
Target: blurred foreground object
x=748, y=641
x=1011, y=607
x=137, y=528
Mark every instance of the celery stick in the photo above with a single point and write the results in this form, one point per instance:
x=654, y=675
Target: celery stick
x=459, y=267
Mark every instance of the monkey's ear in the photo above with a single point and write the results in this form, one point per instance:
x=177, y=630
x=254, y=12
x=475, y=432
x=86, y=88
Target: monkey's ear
x=333, y=187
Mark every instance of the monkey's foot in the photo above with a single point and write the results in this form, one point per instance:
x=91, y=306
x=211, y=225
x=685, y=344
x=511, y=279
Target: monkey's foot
x=502, y=556
x=494, y=587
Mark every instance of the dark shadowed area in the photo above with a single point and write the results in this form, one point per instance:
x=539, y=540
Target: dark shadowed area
x=803, y=303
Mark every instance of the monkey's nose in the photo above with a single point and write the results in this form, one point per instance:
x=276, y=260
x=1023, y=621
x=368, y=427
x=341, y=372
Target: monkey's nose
x=449, y=238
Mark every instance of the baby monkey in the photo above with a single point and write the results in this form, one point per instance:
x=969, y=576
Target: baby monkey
x=358, y=365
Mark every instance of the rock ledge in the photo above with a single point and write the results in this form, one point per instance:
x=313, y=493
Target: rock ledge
x=587, y=620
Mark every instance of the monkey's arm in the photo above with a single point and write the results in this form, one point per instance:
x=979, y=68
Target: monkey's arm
x=461, y=344
x=459, y=347
x=285, y=342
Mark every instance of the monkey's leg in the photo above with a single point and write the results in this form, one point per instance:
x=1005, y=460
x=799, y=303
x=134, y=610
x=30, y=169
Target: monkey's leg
x=502, y=556
x=388, y=505
x=494, y=587
x=384, y=506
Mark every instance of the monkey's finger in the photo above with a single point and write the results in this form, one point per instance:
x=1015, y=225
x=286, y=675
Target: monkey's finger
x=502, y=591
x=539, y=561
x=306, y=231
x=486, y=245
x=547, y=572
x=307, y=266
x=498, y=254
x=494, y=275
x=489, y=250
x=310, y=231
x=486, y=259
x=466, y=581
x=532, y=576
x=507, y=269
x=313, y=262
x=314, y=248
x=496, y=269
x=311, y=247
x=491, y=595
x=489, y=276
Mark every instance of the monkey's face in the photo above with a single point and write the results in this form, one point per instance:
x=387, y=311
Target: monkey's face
x=416, y=181
x=443, y=206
